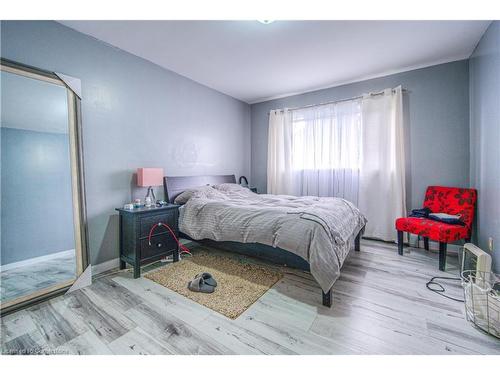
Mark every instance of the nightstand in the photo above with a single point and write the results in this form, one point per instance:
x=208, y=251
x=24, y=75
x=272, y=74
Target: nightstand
x=135, y=227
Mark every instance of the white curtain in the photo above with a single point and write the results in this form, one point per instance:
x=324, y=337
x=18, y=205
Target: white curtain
x=351, y=149
x=382, y=192
x=315, y=151
x=279, y=153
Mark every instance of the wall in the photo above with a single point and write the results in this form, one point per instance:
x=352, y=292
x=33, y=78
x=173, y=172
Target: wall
x=485, y=136
x=135, y=114
x=437, y=125
x=37, y=218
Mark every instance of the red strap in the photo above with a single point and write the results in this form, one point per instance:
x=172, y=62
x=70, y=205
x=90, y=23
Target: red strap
x=183, y=249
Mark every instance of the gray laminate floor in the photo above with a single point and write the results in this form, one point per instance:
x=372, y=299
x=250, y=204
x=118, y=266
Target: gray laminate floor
x=381, y=306
x=24, y=280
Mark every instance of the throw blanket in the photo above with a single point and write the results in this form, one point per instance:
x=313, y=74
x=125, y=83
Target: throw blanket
x=320, y=230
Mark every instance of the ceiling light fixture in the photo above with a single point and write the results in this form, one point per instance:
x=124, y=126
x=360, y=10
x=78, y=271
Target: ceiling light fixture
x=266, y=22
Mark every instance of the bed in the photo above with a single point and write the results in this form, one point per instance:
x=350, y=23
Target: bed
x=310, y=233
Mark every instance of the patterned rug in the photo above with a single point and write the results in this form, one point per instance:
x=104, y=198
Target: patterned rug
x=241, y=281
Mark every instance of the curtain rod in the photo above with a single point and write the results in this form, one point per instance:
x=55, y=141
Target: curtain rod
x=334, y=101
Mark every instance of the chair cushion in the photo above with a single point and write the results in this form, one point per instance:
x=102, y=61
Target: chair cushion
x=432, y=229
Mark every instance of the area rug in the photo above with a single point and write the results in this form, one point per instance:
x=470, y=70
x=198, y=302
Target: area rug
x=240, y=280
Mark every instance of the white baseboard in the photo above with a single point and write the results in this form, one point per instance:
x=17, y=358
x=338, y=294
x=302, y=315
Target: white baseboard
x=32, y=261
x=433, y=245
x=105, y=266
x=115, y=263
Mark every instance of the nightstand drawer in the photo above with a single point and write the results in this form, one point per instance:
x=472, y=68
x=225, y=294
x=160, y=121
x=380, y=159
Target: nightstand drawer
x=159, y=244
x=146, y=223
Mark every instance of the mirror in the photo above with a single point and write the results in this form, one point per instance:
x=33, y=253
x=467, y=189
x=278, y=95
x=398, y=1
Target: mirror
x=41, y=204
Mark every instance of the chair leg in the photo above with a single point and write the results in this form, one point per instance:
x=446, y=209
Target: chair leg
x=400, y=242
x=426, y=243
x=442, y=256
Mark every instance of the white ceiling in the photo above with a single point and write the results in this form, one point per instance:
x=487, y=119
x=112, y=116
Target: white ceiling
x=254, y=62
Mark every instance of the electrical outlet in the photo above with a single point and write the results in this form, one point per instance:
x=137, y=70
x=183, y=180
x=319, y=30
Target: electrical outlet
x=490, y=244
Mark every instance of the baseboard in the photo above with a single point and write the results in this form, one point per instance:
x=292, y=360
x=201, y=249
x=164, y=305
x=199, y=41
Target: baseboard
x=433, y=245
x=105, y=266
x=31, y=261
x=115, y=263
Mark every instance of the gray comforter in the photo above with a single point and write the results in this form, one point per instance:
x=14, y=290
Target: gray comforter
x=320, y=230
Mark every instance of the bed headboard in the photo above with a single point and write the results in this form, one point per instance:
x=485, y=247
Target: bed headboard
x=174, y=185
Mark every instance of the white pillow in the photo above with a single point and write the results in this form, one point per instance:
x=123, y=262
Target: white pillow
x=230, y=187
x=186, y=195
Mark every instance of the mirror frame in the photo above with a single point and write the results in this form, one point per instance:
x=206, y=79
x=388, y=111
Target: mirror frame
x=77, y=182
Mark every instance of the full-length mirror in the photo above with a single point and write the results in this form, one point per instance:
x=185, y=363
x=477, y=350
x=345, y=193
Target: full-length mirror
x=42, y=210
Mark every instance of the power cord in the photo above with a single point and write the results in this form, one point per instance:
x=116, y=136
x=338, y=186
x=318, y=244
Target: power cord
x=441, y=289
x=183, y=249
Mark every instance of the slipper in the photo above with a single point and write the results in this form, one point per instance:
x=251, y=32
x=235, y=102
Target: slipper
x=198, y=285
x=207, y=278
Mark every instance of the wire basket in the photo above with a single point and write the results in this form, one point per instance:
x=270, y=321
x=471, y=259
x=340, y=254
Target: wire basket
x=482, y=300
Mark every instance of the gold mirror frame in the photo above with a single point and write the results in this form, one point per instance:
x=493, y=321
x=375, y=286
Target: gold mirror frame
x=77, y=182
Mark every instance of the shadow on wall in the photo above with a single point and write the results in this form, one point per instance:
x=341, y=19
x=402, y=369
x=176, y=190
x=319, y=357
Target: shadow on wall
x=108, y=248
x=408, y=169
x=105, y=224
x=133, y=186
x=110, y=237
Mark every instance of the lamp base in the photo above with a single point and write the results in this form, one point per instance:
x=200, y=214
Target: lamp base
x=150, y=199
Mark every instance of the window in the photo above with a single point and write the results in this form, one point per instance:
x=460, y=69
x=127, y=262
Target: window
x=351, y=149
x=327, y=137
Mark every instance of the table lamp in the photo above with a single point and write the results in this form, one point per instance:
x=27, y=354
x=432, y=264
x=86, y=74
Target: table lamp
x=149, y=177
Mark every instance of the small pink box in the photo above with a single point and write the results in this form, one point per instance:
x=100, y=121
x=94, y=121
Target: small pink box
x=149, y=177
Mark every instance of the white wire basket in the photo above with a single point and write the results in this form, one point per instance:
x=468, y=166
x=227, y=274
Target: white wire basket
x=482, y=300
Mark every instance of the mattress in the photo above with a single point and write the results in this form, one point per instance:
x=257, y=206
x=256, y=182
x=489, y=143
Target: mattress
x=319, y=230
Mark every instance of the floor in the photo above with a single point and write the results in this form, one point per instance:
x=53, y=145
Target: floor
x=381, y=306
x=24, y=280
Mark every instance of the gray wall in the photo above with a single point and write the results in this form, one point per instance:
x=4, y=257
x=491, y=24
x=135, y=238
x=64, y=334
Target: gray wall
x=437, y=132
x=485, y=136
x=135, y=114
x=37, y=218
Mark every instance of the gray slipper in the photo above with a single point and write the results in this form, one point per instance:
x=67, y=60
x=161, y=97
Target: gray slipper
x=207, y=278
x=199, y=285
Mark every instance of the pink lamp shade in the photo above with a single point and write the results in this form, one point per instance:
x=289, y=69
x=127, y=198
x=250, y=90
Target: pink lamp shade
x=149, y=177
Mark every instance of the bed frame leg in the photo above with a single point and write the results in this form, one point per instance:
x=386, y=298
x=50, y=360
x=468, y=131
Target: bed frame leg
x=357, y=242
x=328, y=298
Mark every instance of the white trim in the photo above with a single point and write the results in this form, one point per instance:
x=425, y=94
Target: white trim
x=433, y=245
x=105, y=266
x=115, y=263
x=31, y=261
x=360, y=79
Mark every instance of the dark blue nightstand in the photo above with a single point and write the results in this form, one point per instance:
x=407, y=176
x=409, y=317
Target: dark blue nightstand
x=135, y=227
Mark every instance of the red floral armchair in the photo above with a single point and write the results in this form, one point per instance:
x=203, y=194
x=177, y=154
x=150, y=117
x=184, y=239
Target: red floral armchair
x=454, y=201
